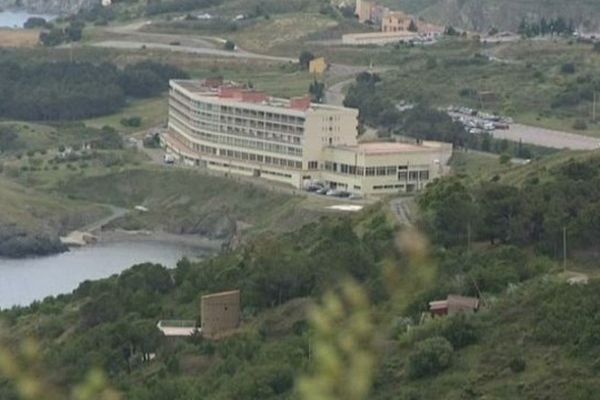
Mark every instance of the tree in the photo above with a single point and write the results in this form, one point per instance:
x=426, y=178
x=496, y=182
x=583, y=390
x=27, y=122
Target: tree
x=35, y=22
x=412, y=27
x=74, y=32
x=305, y=58
x=53, y=37
x=317, y=91
x=430, y=357
x=229, y=45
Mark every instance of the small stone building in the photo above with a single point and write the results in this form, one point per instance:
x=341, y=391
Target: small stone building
x=220, y=313
x=454, y=304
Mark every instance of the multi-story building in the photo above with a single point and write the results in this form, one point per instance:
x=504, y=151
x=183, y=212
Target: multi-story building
x=396, y=21
x=243, y=131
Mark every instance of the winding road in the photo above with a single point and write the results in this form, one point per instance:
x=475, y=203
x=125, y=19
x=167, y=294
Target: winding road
x=131, y=37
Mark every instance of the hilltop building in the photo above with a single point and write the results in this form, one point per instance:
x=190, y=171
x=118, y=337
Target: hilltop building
x=237, y=130
x=394, y=26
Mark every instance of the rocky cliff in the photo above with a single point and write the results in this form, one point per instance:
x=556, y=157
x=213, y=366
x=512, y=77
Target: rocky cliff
x=49, y=6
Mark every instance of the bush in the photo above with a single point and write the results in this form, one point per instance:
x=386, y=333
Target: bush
x=229, y=45
x=132, y=122
x=580, y=125
x=568, y=68
x=504, y=158
x=430, y=357
x=517, y=365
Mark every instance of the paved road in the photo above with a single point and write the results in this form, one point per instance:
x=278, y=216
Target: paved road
x=132, y=45
x=547, y=137
x=131, y=37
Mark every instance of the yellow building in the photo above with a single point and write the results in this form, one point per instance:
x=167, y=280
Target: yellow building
x=243, y=131
x=317, y=66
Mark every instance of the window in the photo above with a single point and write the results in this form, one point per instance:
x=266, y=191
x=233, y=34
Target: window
x=391, y=170
x=370, y=171
x=380, y=171
x=313, y=165
x=402, y=175
x=413, y=175
x=424, y=175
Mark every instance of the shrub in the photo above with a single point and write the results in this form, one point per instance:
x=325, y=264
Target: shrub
x=430, y=357
x=517, y=365
x=580, y=125
x=504, y=159
x=229, y=45
x=568, y=68
x=460, y=331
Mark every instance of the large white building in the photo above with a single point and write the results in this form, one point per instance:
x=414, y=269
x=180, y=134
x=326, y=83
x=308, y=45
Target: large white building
x=243, y=131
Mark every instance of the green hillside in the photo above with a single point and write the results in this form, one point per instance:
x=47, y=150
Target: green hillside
x=503, y=14
x=31, y=221
x=535, y=336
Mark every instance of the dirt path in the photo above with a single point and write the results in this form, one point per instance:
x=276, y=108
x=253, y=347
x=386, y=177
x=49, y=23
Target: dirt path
x=401, y=207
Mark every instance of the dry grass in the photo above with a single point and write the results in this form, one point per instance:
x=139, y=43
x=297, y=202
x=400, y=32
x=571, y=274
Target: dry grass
x=18, y=37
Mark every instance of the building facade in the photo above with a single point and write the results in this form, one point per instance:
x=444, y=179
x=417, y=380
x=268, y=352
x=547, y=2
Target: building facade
x=395, y=21
x=363, y=10
x=243, y=131
x=220, y=313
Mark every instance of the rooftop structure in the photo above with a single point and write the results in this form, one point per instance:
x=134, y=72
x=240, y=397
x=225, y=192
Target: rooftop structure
x=238, y=130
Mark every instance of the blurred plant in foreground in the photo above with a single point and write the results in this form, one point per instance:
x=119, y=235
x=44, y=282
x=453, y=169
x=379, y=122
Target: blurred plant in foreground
x=343, y=347
x=23, y=369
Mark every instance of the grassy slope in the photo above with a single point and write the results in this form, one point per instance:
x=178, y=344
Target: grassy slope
x=524, y=89
x=190, y=202
x=37, y=211
x=504, y=14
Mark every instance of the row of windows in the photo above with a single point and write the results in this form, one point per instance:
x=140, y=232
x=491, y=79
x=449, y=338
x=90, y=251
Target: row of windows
x=242, y=168
x=237, y=119
x=400, y=171
x=214, y=127
x=237, y=141
x=249, y=113
x=240, y=155
x=237, y=111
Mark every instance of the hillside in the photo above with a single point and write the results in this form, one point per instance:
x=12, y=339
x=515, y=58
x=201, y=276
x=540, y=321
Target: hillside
x=503, y=14
x=49, y=6
x=31, y=221
x=533, y=338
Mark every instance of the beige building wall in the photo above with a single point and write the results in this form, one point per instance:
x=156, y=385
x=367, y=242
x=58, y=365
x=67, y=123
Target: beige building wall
x=395, y=22
x=363, y=10
x=220, y=313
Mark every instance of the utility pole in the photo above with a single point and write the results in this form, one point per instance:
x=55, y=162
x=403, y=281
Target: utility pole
x=565, y=248
x=469, y=238
x=594, y=108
